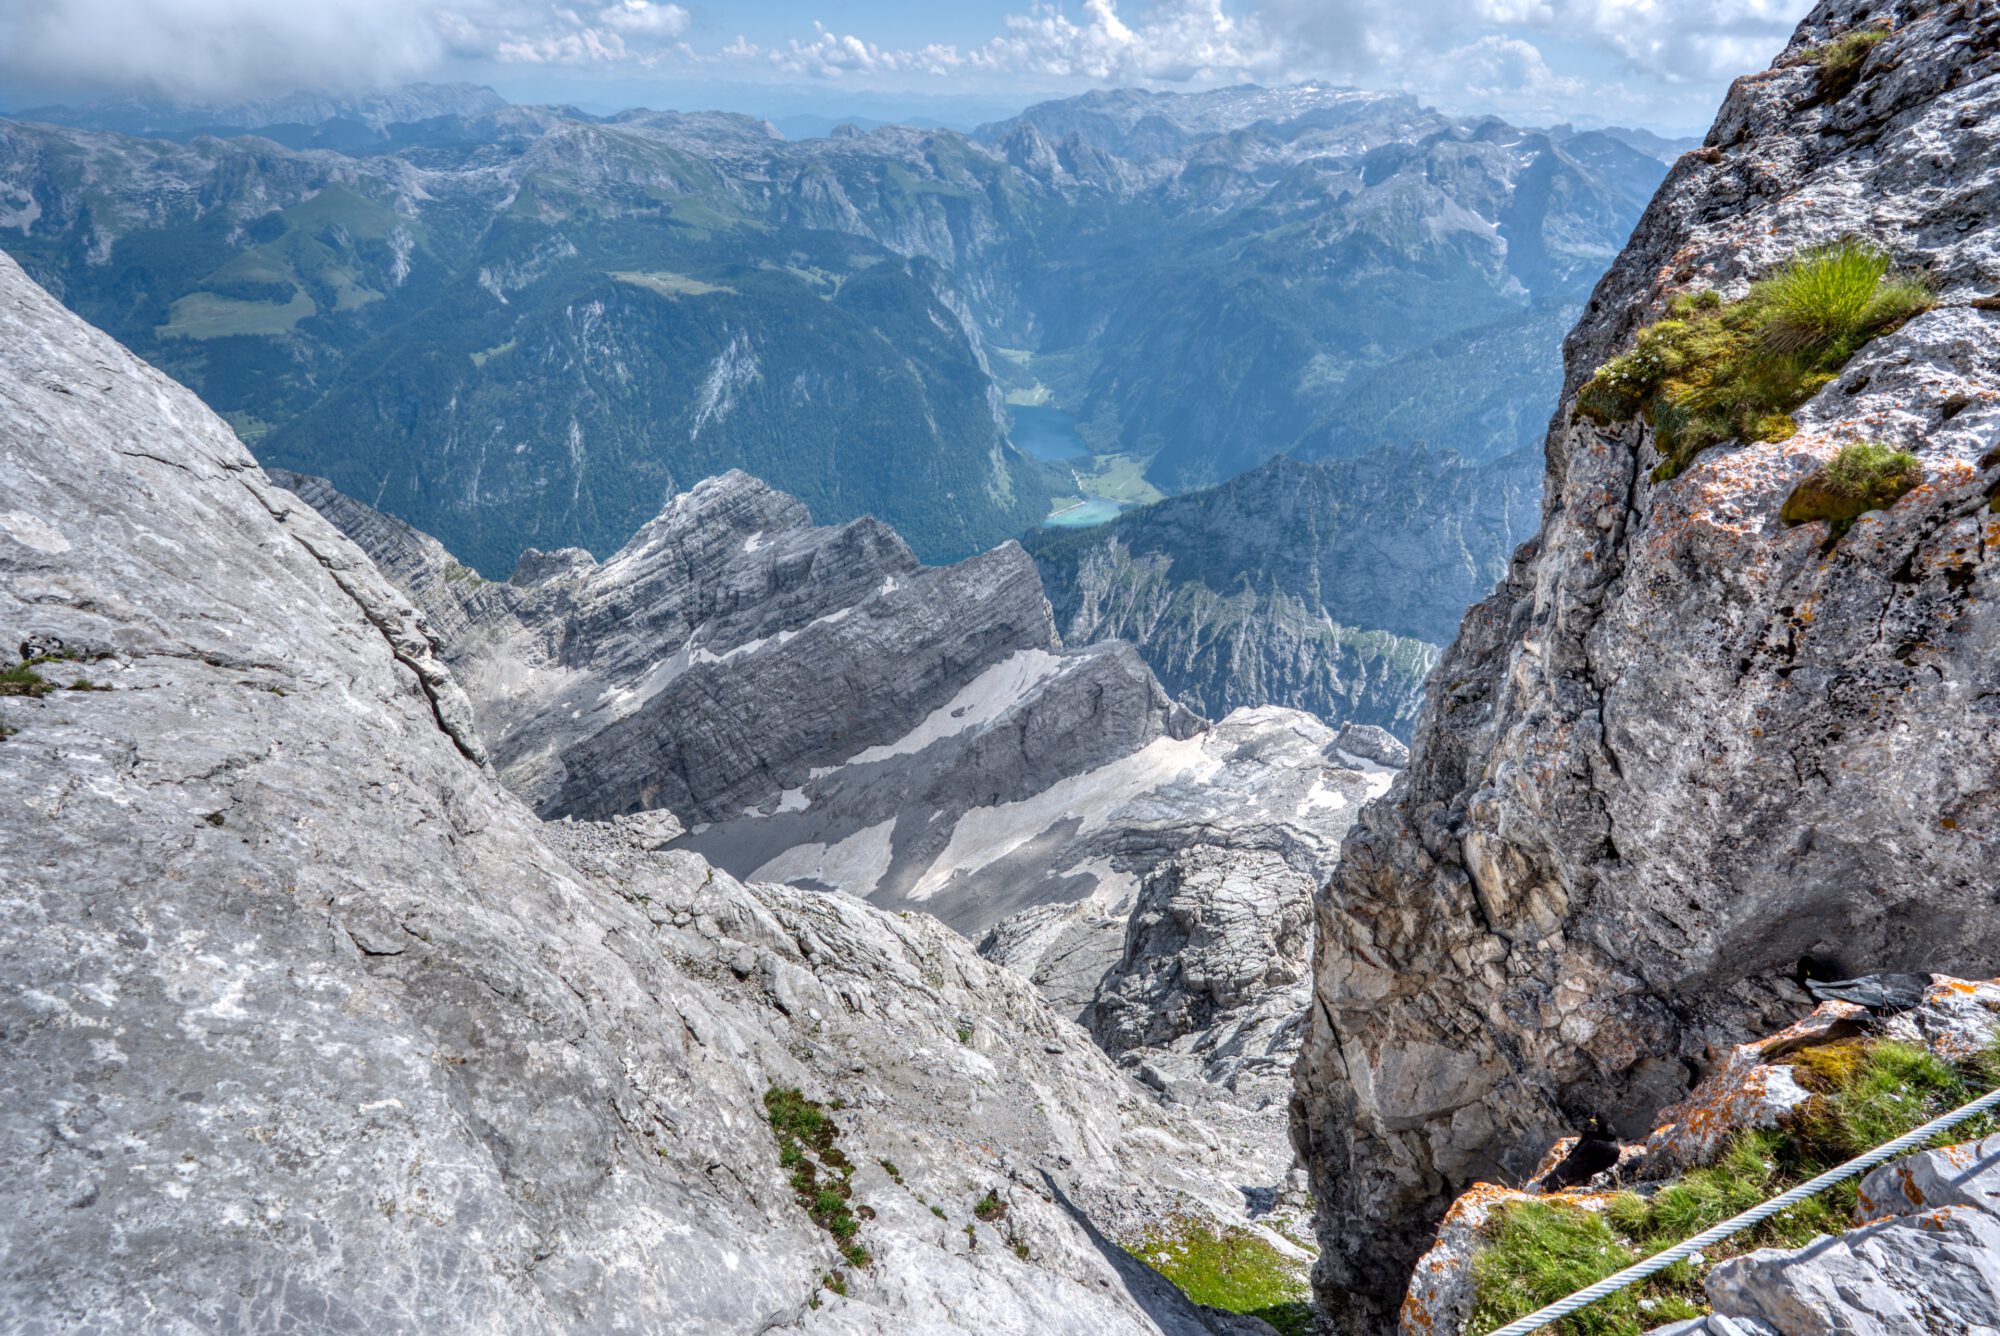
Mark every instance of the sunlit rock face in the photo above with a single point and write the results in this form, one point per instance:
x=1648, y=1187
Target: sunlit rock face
x=310, y=1023
x=1684, y=744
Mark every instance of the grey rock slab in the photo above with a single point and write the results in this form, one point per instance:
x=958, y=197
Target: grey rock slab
x=308, y=1022
x=1934, y=1272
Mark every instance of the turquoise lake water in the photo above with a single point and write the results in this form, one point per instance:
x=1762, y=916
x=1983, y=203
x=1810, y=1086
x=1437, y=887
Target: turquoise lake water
x=1094, y=510
x=1045, y=433
x=1049, y=433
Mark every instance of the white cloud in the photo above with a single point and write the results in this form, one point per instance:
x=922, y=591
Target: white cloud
x=1673, y=41
x=1179, y=41
x=639, y=16
x=1509, y=70
x=220, y=49
x=1665, y=58
x=1176, y=42
x=216, y=48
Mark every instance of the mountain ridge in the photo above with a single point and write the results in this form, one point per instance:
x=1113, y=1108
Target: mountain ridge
x=527, y=326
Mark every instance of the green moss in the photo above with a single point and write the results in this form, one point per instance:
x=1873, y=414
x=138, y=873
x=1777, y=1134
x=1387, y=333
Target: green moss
x=21, y=680
x=1538, y=1252
x=1233, y=1269
x=1863, y=476
x=1891, y=1089
x=889, y=1168
x=1714, y=371
x=1864, y=1094
x=938, y=1211
x=807, y=1146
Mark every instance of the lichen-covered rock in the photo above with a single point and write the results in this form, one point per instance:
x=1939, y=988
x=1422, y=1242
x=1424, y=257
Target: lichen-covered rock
x=1753, y=1086
x=1685, y=745
x=307, y=1023
x=1442, y=1292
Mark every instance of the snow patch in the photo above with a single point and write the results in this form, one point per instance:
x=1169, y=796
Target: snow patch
x=855, y=865
x=978, y=703
x=1376, y=776
x=985, y=835
x=1320, y=797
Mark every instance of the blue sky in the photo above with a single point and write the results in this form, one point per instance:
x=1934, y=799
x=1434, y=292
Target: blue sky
x=1659, y=63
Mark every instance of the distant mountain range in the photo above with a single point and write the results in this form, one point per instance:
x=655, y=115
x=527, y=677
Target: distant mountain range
x=1326, y=586
x=527, y=325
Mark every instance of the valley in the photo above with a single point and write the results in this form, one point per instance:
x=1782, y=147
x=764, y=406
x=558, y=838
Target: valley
x=534, y=325
x=1246, y=711
x=525, y=326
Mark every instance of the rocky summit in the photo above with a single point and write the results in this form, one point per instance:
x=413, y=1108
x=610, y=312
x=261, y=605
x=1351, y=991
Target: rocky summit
x=809, y=705
x=310, y=1022
x=1687, y=743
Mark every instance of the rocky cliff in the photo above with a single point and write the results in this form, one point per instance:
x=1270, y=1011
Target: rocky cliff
x=1687, y=744
x=308, y=1022
x=808, y=705
x=1326, y=586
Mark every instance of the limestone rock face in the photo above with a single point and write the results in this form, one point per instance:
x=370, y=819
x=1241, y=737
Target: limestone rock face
x=717, y=658
x=1685, y=745
x=308, y=1022
x=816, y=709
x=1329, y=586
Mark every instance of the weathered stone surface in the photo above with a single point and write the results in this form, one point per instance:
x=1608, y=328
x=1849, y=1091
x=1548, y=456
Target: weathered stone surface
x=1934, y=1272
x=1685, y=745
x=912, y=736
x=308, y=1023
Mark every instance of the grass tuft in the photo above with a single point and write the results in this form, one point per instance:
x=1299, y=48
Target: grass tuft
x=1233, y=1269
x=1863, y=476
x=1714, y=371
x=807, y=1146
x=1539, y=1252
x=1864, y=1093
x=1841, y=59
x=21, y=680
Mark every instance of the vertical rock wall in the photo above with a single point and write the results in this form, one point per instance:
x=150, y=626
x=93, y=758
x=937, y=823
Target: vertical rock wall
x=1683, y=744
